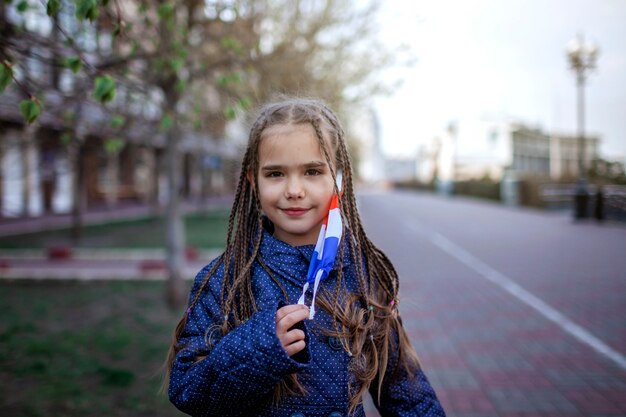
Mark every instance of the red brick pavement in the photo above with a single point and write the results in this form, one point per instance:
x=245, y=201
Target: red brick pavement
x=487, y=353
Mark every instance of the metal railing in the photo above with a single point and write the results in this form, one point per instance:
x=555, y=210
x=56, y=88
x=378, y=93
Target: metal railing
x=607, y=202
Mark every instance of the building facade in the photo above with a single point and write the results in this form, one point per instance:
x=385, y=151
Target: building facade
x=41, y=172
x=487, y=149
x=74, y=154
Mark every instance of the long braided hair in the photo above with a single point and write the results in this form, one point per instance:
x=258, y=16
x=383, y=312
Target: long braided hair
x=364, y=321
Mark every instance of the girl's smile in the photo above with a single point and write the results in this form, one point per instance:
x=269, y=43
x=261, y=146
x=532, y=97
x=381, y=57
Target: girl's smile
x=295, y=211
x=295, y=182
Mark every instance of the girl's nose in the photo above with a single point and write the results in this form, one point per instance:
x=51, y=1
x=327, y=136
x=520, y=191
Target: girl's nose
x=294, y=189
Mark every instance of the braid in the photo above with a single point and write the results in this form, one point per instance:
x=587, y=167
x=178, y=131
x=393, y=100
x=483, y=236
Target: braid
x=239, y=196
x=240, y=297
x=367, y=330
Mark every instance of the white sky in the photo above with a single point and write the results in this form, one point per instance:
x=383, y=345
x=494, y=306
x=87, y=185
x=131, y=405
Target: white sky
x=482, y=58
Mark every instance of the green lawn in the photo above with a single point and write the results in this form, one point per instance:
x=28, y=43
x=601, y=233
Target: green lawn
x=205, y=231
x=84, y=349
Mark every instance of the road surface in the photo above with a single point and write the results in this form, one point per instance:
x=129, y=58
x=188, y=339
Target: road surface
x=513, y=312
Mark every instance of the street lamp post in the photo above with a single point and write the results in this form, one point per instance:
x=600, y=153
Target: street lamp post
x=582, y=59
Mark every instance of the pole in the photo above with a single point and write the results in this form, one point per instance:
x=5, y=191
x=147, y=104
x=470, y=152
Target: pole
x=581, y=125
x=581, y=200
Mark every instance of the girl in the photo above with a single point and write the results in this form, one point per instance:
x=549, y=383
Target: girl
x=244, y=347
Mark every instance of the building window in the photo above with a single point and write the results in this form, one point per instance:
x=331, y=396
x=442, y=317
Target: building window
x=493, y=138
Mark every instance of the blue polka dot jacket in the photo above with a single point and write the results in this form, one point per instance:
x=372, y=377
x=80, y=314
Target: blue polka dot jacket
x=239, y=371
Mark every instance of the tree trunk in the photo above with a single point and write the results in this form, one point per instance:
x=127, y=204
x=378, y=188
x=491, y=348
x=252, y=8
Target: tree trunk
x=76, y=151
x=27, y=169
x=113, y=167
x=3, y=144
x=76, y=155
x=175, y=230
x=155, y=170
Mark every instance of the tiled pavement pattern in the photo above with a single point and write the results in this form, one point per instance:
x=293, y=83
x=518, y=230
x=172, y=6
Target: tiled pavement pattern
x=489, y=355
x=486, y=353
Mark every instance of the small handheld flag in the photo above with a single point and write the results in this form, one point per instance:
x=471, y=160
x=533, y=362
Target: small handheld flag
x=325, y=251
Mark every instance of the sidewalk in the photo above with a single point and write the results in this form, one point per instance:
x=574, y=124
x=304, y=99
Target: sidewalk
x=95, y=264
x=99, y=215
x=66, y=263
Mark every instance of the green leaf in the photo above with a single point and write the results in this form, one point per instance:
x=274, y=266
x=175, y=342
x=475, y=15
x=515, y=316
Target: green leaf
x=66, y=138
x=73, y=63
x=105, y=89
x=114, y=145
x=165, y=10
x=222, y=80
x=87, y=9
x=176, y=64
x=181, y=85
x=230, y=112
x=166, y=122
x=180, y=50
x=53, y=7
x=245, y=103
x=229, y=42
x=117, y=121
x=6, y=76
x=22, y=6
x=234, y=78
x=30, y=109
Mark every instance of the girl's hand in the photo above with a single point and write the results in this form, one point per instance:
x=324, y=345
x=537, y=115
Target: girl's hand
x=291, y=340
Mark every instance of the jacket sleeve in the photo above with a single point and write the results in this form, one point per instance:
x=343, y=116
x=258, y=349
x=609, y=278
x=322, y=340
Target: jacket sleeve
x=235, y=371
x=403, y=395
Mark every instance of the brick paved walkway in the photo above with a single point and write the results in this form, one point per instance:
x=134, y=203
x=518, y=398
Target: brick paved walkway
x=486, y=352
x=490, y=356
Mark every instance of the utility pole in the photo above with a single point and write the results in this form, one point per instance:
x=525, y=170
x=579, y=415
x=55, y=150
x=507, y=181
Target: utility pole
x=582, y=59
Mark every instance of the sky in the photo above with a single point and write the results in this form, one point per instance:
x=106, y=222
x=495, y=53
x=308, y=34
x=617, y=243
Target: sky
x=502, y=58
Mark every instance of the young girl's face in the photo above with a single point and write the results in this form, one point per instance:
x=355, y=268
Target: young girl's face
x=295, y=182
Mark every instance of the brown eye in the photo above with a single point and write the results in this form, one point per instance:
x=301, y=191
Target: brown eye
x=313, y=172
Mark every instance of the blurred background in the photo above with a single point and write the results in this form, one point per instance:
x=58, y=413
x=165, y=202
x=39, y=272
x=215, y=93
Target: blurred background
x=489, y=144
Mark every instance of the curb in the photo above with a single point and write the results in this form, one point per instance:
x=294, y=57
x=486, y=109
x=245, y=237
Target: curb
x=58, y=221
x=107, y=264
x=104, y=254
x=63, y=274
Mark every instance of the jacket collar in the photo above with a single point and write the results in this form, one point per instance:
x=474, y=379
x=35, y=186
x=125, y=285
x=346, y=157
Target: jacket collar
x=284, y=258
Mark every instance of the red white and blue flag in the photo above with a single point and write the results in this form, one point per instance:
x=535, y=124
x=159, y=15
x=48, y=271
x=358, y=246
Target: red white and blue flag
x=325, y=251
